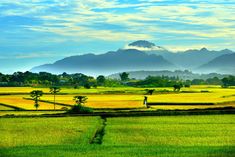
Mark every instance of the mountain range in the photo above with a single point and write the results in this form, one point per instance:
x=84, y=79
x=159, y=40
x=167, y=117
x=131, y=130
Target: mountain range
x=221, y=64
x=144, y=55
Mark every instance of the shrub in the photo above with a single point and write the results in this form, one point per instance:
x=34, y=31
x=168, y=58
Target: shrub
x=78, y=108
x=87, y=86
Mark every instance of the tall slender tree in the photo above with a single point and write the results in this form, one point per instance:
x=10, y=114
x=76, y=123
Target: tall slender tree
x=36, y=94
x=54, y=91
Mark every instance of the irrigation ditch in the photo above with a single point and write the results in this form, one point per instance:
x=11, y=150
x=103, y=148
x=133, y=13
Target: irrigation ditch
x=97, y=137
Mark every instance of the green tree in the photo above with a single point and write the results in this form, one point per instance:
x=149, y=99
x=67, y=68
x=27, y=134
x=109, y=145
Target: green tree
x=54, y=90
x=36, y=94
x=87, y=86
x=228, y=81
x=124, y=76
x=177, y=87
x=79, y=105
x=81, y=100
x=100, y=80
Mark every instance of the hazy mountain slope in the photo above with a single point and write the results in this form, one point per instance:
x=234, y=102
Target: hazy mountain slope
x=110, y=62
x=189, y=59
x=222, y=64
x=139, y=55
x=192, y=59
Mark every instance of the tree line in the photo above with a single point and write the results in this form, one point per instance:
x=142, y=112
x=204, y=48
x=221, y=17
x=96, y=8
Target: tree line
x=77, y=80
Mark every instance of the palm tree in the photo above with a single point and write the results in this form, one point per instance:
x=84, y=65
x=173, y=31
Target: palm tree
x=54, y=91
x=80, y=100
x=36, y=94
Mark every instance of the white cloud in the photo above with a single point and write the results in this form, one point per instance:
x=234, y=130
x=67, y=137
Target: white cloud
x=78, y=18
x=154, y=48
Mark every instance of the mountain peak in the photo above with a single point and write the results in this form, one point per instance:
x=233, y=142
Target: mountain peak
x=142, y=43
x=227, y=50
x=204, y=49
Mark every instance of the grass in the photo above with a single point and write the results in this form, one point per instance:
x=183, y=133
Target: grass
x=191, y=136
x=16, y=132
x=28, y=113
x=5, y=108
x=208, y=130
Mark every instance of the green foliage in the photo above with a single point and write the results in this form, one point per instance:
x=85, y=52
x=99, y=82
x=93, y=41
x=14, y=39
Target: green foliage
x=177, y=87
x=44, y=79
x=214, y=81
x=113, y=83
x=79, y=106
x=54, y=90
x=164, y=136
x=150, y=91
x=100, y=80
x=156, y=81
x=228, y=81
x=80, y=99
x=36, y=94
x=87, y=86
x=124, y=76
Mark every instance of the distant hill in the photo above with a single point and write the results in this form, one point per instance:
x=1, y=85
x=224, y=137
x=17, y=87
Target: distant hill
x=222, y=64
x=191, y=59
x=110, y=62
x=185, y=75
x=138, y=55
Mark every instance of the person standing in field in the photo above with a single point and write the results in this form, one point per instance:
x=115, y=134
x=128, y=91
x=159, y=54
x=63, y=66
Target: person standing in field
x=145, y=100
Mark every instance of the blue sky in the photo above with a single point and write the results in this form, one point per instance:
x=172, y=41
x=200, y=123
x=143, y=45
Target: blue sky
x=34, y=32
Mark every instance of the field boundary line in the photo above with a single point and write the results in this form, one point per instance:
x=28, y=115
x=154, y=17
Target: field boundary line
x=50, y=102
x=213, y=111
x=14, y=107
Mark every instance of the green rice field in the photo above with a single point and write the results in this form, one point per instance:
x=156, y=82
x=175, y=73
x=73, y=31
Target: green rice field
x=207, y=135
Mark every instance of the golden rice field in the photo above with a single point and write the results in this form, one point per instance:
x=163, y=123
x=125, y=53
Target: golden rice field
x=20, y=89
x=102, y=101
x=18, y=101
x=131, y=99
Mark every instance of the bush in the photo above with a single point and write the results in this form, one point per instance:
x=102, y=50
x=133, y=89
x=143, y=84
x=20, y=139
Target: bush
x=87, y=86
x=78, y=108
x=76, y=87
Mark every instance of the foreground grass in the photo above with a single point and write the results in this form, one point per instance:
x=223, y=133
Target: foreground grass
x=28, y=113
x=16, y=132
x=208, y=130
x=191, y=136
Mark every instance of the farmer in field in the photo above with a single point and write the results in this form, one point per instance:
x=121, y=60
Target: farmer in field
x=145, y=100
